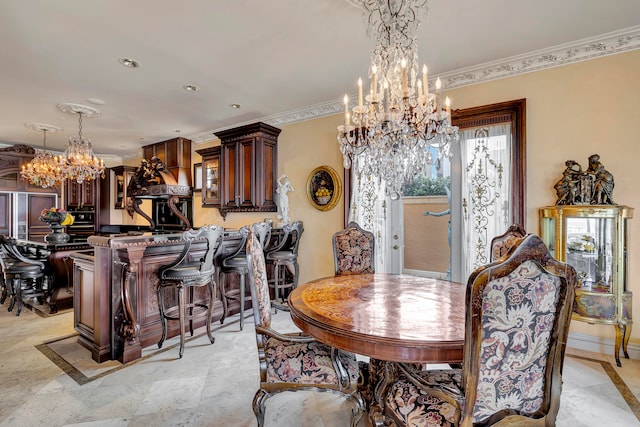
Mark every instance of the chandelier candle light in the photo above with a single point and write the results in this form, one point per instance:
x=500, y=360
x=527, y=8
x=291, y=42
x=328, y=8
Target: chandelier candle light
x=81, y=164
x=44, y=170
x=397, y=128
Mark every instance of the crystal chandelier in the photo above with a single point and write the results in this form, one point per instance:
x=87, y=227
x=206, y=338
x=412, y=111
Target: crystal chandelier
x=44, y=170
x=400, y=127
x=80, y=163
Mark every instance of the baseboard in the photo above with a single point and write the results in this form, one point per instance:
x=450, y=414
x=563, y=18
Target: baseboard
x=594, y=344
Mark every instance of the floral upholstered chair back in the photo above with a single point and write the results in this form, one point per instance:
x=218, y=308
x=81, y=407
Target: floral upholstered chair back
x=294, y=361
x=518, y=314
x=500, y=245
x=353, y=250
x=258, y=281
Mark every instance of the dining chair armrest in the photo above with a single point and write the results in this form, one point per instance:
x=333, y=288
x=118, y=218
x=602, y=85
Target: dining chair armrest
x=291, y=337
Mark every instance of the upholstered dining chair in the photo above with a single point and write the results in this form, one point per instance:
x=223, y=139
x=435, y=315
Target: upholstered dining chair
x=283, y=257
x=293, y=361
x=18, y=271
x=236, y=263
x=353, y=250
x=517, y=322
x=500, y=245
x=187, y=271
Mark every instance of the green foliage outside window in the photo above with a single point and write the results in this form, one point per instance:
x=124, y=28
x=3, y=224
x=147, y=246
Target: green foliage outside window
x=424, y=186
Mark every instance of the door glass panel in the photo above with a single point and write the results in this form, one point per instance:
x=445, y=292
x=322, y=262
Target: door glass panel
x=427, y=213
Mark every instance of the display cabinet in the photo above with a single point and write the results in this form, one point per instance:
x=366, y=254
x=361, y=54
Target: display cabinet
x=593, y=239
x=122, y=176
x=210, y=175
x=242, y=171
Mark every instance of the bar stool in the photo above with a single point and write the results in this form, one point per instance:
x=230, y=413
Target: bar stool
x=284, y=257
x=236, y=263
x=17, y=270
x=190, y=269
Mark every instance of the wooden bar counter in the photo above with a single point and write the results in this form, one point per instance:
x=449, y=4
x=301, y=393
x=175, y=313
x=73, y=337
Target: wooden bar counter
x=57, y=257
x=115, y=299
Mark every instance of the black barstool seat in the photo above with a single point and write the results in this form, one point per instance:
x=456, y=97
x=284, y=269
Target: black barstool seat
x=17, y=270
x=186, y=272
x=284, y=257
x=236, y=263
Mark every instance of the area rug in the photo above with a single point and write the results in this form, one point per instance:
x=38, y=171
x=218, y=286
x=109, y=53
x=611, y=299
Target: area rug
x=75, y=360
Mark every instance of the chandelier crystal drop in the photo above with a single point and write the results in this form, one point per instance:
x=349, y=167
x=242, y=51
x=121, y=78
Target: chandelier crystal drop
x=44, y=170
x=80, y=162
x=399, y=128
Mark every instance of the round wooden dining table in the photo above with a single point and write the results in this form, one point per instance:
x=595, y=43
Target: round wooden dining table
x=399, y=318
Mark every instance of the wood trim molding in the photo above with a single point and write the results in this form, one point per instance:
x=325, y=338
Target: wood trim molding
x=503, y=112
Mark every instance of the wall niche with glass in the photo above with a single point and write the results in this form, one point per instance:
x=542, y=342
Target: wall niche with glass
x=593, y=239
x=122, y=176
x=210, y=177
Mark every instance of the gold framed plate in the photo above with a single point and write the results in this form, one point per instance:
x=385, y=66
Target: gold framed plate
x=324, y=188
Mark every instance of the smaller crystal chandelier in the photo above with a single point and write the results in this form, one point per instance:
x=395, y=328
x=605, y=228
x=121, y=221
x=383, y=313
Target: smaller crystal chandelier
x=399, y=127
x=80, y=163
x=45, y=169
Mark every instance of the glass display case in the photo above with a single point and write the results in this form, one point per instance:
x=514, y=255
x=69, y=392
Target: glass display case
x=593, y=239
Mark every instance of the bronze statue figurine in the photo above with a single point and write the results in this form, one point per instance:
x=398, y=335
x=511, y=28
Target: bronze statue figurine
x=591, y=187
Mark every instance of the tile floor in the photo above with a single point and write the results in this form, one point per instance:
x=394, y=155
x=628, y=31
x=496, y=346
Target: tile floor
x=213, y=385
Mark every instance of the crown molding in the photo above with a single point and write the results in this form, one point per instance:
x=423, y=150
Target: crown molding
x=582, y=50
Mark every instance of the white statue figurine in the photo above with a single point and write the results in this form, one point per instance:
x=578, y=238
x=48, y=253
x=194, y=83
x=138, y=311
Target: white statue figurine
x=284, y=186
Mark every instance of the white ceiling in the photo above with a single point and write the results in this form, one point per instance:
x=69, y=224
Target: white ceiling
x=281, y=60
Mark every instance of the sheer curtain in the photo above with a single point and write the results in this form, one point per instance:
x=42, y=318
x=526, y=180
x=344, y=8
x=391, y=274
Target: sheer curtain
x=486, y=191
x=369, y=209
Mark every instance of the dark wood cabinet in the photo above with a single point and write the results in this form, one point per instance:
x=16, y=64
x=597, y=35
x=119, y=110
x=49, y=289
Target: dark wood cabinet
x=83, y=201
x=248, y=167
x=122, y=176
x=176, y=156
x=81, y=194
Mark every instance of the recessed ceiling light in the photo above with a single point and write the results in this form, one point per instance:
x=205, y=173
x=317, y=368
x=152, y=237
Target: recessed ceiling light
x=235, y=106
x=191, y=88
x=130, y=63
x=95, y=101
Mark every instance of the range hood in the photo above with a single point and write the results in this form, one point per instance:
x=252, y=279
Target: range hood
x=152, y=180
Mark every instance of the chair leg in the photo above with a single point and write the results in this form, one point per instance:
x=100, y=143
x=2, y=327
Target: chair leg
x=19, y=296
x=12, y=295
x=242, y=287
x=191, y=307
x=163, y=320
x=223, y=296
x=276, y=281
x=296, y=274
x=181, y=316
x=5, y=292
x=212, y=300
